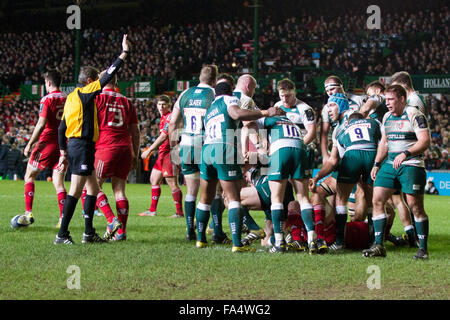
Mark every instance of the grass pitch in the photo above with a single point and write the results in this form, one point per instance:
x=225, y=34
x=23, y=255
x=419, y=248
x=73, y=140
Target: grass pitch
x=156, y=263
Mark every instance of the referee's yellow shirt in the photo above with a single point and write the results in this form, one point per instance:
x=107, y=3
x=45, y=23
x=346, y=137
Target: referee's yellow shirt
x=80, y=112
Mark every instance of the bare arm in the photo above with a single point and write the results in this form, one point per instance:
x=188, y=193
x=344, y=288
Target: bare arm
x=368, y=106
x=135, y=137
x=155, y=145
x=326, y=169
x=311, y=135
x=382, y=152
x=40, y=125
x=324, y=141
x=175, y=120
x=422, y=144
x=329, y=165
x=236, y=113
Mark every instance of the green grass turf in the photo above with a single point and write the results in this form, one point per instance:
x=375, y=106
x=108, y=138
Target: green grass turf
x=156, y=263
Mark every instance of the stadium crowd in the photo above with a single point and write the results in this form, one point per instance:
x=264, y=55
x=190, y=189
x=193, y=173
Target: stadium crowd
x=414, y=40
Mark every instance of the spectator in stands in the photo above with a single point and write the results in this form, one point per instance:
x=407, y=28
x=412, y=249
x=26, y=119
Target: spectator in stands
x=14, y=163
x=445, y=161
x=4, y=148
x=430, y=188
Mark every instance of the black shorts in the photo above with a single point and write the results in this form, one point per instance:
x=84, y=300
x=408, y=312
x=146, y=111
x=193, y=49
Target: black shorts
x=81, y=156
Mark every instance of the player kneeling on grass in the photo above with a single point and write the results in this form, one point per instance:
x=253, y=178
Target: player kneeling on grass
x=358, y=234
x=220, y=161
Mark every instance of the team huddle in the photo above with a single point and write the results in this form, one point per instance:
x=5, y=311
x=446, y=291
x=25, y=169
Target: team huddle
x=243, y=158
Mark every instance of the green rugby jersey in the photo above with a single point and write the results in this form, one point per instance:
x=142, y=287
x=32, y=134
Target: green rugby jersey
x=415, y=99
x=401, y=134
x=247, y=102
x=282, y=133
x=193, y=104
x=381, y=109
x=219, y=126
x=301, y=114
x=358, y=134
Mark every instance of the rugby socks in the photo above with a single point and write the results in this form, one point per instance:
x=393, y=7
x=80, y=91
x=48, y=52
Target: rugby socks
x=422, y=229
x=189, y=210
x=178, y=200
x=69, y=207
x=202, y=214
x=103, y=204
x=122, y=207
x=61, y=195
x=248, y=220
x=29, y=196
x=319, y=217
x=277, y=216
x=235, y=222
x=308, y=219
x=89, y=208
x=83, y=197
x=379, y=225
x=410, y=232
x=156, y=193
x=217, y=208
x=341, y=221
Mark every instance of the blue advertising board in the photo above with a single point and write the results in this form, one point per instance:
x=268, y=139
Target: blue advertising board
x=441, y=180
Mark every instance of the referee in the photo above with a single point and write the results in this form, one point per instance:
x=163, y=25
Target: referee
x=77, y=135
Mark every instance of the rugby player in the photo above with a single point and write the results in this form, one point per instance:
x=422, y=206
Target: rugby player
x=163, y=168
x=43, y=148
x=117, y=150
x=220, y=161
x=288, y=161
x=189, y=112
x=354, y=148
x=405, y=137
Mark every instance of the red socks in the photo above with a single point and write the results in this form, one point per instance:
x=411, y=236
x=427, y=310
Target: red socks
x=122, y=208
x=319, y=217
x=61, y=195
x=156, y=193
x=29, y=196
x=178, y=200
x=103, y=204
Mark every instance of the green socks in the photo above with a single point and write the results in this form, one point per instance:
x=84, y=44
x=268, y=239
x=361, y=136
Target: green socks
x=379, y=226
x=202, y=217
x=235, y=221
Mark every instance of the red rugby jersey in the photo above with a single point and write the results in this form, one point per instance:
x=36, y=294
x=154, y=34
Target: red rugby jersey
x=115, y=116
x=52, y=108
x=164, y=127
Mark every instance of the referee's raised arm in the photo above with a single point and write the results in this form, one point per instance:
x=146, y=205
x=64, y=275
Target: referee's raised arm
x=106, y=78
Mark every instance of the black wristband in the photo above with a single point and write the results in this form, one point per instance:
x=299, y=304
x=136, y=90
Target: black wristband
x=126, y=51
x=376, y=164
x=407, y=153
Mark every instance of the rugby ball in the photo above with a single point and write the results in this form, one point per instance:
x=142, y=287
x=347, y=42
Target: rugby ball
x=19, y=221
